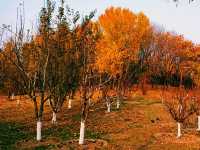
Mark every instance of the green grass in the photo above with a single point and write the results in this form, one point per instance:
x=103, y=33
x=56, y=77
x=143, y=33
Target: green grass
x=93, y=135
x=10, y=133
x=41, y=147
x=66, y=133
x=45, y=147
x=76, y=117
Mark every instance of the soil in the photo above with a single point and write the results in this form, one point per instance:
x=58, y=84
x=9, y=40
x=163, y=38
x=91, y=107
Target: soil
x=141, y=123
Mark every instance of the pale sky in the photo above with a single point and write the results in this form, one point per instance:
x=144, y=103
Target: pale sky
x=184, y=19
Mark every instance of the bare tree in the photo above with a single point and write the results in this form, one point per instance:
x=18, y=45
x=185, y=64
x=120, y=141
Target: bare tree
x=181, y=106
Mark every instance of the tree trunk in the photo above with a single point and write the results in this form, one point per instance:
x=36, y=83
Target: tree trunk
x=8, y=94
x=179, y=130
x=119, y=93
x=82, y=132
x=49, y=103
x=39, y=118
x=198, y=129
x=118, y=103
x=89, y=101
x=108, y=107
x=69, y=103
x=12, y=96
x=18, y=102
x=39, y=130
x=162, y=99
x=54, y=120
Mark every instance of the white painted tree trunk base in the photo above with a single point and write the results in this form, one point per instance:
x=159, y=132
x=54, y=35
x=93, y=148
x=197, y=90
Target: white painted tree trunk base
x=49, y=103
x=69, y=103
x=39, y=131
x=18, y=102
x=108, y=107
x=198, y=127
x=12, y=96
x=54, y=120
x=118, y=104
x=89, y=101
x=162, y=99
x=82, y=133
x=178, y=130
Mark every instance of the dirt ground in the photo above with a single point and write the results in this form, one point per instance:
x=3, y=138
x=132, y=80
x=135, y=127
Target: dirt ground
x=142, y=123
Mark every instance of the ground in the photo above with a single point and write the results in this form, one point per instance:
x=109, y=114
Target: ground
x=142, y=123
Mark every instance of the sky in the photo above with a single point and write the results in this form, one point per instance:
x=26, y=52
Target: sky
x=183, y=19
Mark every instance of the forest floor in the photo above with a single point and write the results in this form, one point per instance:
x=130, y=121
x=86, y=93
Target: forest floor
x=142, y=123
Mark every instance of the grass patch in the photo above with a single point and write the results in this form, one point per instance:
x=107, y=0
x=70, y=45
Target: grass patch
x=64, y=133
x=45, y=147
x=114, y=106
x=10, y=134
x=76, y=117
x=139, y=100
x=41, y=147
x=149, y=142
x=151, y=115
x=93, y=135
x=152, y=102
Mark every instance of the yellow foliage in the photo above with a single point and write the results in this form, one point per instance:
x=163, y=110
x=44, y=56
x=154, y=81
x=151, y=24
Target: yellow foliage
x=122, y=32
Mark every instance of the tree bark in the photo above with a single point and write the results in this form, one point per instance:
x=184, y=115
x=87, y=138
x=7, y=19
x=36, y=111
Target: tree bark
x=49, y=103
x=54, y=120
x=118, y=103
x=69, y=103
x=179, y=130
x=39, y=130
x=18, y=102
x=89, y=101
x=108, y=107
x=12, y=96
x=198, y=129
x=82, y=132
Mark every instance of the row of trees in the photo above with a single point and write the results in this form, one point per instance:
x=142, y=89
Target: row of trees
x=69, y=55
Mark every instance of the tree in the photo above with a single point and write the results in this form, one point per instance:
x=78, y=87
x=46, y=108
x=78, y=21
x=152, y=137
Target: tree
x=180, y=106
x=86, y=37
x=61, y=69
x=31, y=61
x=169, y=52
x=9, y=69
x=147, y=47
x=122, y=32
x=194, y=57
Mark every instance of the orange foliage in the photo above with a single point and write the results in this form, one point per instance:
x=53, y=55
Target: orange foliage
x=122, y=33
